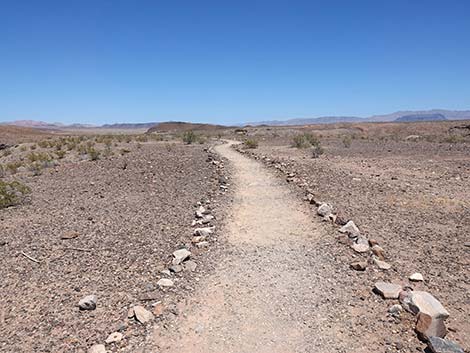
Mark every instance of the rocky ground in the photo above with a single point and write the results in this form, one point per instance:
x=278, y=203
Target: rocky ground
x=412, y=196
x=105, y=227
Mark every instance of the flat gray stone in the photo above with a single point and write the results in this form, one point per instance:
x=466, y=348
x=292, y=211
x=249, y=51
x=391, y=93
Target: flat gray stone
x=180, y=255
x=388, y=290
x=423, y=302
x=165, y=282
x=203, y=232
x=439, y=345
x=350, y=228
x=382, y=264
x=324, y=210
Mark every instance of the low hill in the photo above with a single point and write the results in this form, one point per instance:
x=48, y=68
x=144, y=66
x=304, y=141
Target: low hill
x=421, y=117
x=179, y=126
x=17, y=134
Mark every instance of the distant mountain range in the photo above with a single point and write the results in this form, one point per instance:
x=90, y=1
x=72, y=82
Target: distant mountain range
x=400, y=116
x=409, y=115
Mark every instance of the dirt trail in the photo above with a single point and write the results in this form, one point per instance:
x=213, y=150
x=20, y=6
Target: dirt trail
x=269, y=292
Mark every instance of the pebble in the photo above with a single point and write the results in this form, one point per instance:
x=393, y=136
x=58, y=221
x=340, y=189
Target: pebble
x=180, y=255
x=114, y=337
x=416, y=277
x=190, y=266
x=88, y=303
x=97, y=348
x=324, y=210
x=203, y=232
x=395, y=310
x=165, y=282
x=142, y=315
x=359, y=265
x=351, y=229
x=382, y=264
x=388, y=290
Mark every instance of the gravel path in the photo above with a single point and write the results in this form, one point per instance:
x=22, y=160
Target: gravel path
x=270, y=291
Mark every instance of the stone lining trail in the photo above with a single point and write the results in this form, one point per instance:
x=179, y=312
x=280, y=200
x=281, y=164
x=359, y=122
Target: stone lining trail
x=270, y=291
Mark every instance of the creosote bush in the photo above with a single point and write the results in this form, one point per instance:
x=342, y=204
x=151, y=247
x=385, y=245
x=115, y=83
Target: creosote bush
x=250, y=143
x=189, y=137
x=12, y=193
x=305, y=140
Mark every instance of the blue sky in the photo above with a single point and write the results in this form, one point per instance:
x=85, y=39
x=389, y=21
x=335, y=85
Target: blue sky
x=96, y=61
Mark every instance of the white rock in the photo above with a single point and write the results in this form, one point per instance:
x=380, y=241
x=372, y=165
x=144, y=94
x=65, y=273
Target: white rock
x=324, y=209
x=382, y=264
x=190, y=266
x=165, y=282
x=203, y=244
x=360, y=247
x=142, y=315
x=351, y=229
x=114, y=337
x=205, y=232
x=180, y=255
x=423, y=302
x=88, y=303
x=388, y=290
x=416, y=277
x=97, y=348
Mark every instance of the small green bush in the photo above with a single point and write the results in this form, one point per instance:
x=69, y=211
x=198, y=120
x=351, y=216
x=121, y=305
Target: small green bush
x=250, y=143
x=13, y=167
x=189, y=137
x=12, y=193
x=347, y=141
x=93, y=154
x=305, y=140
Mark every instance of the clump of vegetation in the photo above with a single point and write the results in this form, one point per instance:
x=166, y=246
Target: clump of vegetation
x=13, y=167
x=305, y=140
x=93, y=154
x=12, y=193
x=317, y=150
x=250, y=143
x=2, y=171
x=38, y=157
x=347, y=141
x=141, y=138
x=60, y=154
x=189, y=137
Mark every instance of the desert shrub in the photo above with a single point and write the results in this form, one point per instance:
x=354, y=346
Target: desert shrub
x=189, y=137
x=33, y=147
x=347, y=140
x=44, y=144
x=250, y=143
x=141, y=138
x=12, y=193
x=6, y=152
x=317, y=151
x=13, y=167
x=2, y=171
x=305, y=140
x=23, y=148
x=60, y=154
x=38, y=156
x=93, y=154
x=36, y=168
x=107, y=151
x=453, y=139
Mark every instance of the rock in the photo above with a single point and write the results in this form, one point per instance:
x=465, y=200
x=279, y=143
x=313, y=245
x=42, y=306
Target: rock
x=200, y=212
x=176, y=268
x=197, y=239
x=97, y=348
x=203, y=244
x=114, y=337
x=203, y=232
x=416, y=277
x=439, y=345
x=360, y=248
x=373, y=242
x=351, y=229
x=190, y=266
x=88, y=303
x=379, y=252
x=207, y=218
x=427, y=326
x=165, y=282
x=382, y=264
x=341, y=219
x=130, y=313
x=395, y=310
x=359, y=265
x=467, y=244
x=423, y=302
x=158, y=309
x=180, y=255
x=142, y=315
x=388, y=290
x=70, y=235
x=324, y=209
